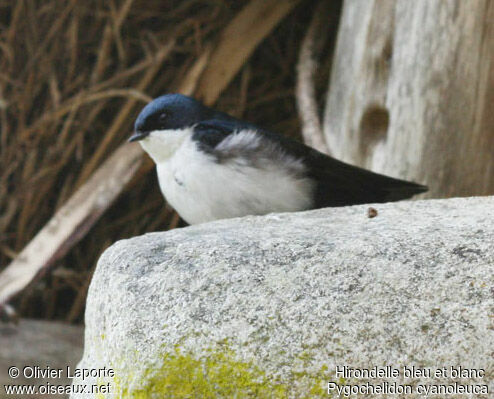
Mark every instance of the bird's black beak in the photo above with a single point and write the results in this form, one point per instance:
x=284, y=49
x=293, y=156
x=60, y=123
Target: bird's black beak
x=138, y=135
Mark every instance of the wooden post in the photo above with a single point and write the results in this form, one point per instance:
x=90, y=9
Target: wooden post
x=412, y=92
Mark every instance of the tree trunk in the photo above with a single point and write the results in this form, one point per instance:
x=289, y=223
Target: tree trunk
x=412, y=92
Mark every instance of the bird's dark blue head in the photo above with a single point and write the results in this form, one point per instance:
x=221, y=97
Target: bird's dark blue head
x=169, y=112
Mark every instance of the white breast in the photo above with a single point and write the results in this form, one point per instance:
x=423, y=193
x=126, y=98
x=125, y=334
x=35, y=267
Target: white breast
x=202, y=189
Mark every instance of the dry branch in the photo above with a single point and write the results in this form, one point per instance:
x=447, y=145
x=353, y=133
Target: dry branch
x=72, y=221
x=314, y=39
x=238, y=41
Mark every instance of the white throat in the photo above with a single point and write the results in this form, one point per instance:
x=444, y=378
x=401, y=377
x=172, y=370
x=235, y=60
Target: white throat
x=162, y=144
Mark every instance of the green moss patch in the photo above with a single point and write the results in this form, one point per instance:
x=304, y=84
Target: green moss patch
x=219, y=374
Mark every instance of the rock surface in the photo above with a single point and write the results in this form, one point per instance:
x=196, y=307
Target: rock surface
x=271, y=306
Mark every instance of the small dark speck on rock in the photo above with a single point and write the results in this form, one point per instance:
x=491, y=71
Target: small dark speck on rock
x=463, y=251
x=371, y=212
x=435, y=311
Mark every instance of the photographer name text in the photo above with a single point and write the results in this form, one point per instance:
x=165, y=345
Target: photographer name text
x=54, y=373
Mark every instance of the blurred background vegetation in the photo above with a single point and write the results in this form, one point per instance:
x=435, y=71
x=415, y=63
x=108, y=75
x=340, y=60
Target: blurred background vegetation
x=73, y=77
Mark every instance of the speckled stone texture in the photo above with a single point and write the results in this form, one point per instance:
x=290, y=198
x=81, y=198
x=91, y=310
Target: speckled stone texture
x=295, y=295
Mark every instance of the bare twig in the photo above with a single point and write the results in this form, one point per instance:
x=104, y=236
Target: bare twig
x=316, y=35
x=72, y=221
x=238, y=41
x=111, y=29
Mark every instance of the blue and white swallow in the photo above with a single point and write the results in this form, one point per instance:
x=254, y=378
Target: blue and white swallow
x=213, y=166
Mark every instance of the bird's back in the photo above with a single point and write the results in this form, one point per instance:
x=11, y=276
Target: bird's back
x=336, y=183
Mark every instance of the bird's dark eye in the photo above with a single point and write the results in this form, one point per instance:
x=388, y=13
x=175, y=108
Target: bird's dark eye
x=163, y=117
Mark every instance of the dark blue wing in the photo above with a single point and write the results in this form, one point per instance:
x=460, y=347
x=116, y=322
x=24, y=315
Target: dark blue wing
x=337, y=183
x=208, y=134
